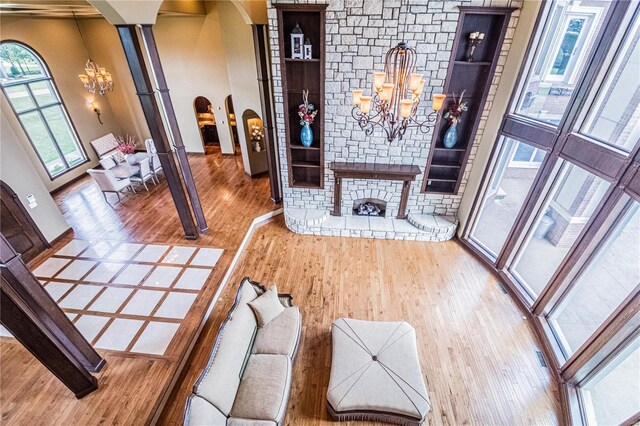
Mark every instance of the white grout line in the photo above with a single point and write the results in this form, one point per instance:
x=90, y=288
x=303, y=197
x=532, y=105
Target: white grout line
x=227, y=276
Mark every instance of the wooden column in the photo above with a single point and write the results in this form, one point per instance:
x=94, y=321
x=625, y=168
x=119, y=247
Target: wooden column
x=183, y=161
x=404, y=199
x=337, y=197
x=35, y=319
x=266, y=100
x=135, y=58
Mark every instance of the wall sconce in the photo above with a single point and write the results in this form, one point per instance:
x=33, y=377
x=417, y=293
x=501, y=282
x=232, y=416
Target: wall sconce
x=94, y=106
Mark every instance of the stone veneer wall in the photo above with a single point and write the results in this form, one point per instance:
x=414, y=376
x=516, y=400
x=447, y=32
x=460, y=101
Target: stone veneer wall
x=358, y=35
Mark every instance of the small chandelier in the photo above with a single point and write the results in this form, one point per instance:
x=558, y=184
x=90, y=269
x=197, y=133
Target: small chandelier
x=96, y=78
x=396, y=99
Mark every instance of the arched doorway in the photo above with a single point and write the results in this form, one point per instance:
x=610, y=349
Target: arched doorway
x=231, y=119
x=206, y=121
x=255, y=142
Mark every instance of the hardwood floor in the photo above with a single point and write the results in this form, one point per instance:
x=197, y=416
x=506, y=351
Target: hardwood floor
x=476, y=350
x=132, y=385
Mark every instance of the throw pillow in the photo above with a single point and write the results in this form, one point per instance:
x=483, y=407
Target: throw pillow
x=267, y=306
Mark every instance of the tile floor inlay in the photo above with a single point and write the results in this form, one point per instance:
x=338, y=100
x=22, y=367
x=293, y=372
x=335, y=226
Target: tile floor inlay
x=76, y=269
x=179, y=255
x=73, y=248
x=162, y=276
x=56, y=290
x=155, y=338
x=126, y=296
x=119, y=334
x=152, y=253
x=104, y=272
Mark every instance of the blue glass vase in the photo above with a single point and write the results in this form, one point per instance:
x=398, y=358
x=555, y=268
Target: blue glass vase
x=306, y=135
x=451, y=136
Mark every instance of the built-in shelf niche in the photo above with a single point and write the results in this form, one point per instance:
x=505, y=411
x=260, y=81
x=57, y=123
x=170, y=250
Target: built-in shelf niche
x=305, y=164
x=445, y=166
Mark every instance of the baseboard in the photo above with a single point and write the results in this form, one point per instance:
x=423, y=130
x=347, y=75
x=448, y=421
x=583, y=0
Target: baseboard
x=223, y=283
x=255, y=175
x=65, y=234
x=68, y=184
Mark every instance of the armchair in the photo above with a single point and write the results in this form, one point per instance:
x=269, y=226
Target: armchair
x=144, y=174
x=107, y=182
x=156, y=167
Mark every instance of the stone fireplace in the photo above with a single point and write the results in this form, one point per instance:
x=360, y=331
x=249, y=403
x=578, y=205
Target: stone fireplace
x=357, y=37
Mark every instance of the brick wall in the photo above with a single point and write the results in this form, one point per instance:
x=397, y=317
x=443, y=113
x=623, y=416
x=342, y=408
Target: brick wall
x=359, y=33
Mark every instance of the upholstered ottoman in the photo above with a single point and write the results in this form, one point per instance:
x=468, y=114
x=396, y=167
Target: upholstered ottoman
x=375, y=373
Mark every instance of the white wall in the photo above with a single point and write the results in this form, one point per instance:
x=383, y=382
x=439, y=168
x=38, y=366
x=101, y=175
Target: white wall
x=58, y=42
x=243, y=79
x=193, y=59
x=17, y=171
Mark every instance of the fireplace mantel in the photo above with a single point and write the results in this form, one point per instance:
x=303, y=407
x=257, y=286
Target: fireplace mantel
x=373, y=171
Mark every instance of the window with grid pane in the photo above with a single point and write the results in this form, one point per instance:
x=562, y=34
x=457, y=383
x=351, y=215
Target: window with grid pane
x=30, y=90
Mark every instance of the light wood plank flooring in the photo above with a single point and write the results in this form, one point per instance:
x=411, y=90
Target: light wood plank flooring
x=476, y=349
x=132, y=385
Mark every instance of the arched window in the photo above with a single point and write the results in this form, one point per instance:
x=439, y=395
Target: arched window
x=30, y=89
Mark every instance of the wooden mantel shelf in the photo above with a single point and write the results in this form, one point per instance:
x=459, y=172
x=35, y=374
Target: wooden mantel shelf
x=373, y=171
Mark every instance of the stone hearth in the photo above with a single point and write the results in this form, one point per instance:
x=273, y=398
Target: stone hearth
x=419, y=227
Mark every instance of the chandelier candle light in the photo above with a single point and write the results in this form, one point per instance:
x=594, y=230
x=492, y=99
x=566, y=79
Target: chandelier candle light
x=475, y=38
x=96, y=78
x=396, y=97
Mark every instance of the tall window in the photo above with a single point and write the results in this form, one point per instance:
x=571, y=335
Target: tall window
x=515, y=169
x=31, y=92
x=569, y=36
x=558, y=214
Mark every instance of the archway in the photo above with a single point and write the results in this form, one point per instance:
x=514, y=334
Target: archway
x=231, y=119
x=206, y=120
x=255, y=141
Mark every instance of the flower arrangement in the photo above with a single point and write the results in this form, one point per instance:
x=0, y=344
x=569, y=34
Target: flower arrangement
x=255, y=133
x=127, y=144
x=306, y=111
x=456, y=109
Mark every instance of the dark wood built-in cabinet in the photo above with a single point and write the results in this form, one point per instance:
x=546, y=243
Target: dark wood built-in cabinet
x=445, y=166
x=306, y=164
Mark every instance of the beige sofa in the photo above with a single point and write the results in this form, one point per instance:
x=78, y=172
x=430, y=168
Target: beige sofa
x=248, y=376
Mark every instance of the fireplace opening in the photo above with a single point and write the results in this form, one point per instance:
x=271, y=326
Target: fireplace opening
x=369, y=207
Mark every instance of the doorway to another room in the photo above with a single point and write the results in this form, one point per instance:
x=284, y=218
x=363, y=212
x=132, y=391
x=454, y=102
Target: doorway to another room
x=206, y=121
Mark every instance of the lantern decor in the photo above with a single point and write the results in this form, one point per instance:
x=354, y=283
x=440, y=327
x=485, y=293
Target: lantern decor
x=474, y=40
x=307, y=113
x=307, y=49
x=454, y=115
x=297, y=40
x=394, y=105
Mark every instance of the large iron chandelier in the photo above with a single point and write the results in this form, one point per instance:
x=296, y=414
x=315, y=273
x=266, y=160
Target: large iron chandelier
x=396, y=97
x=96, y=78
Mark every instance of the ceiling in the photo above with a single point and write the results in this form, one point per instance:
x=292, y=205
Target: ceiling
x=48, y=9
x=83, y=9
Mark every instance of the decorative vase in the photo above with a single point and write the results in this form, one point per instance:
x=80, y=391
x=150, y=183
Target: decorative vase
x=131, y=159
x=306, y=135
x=451, y=136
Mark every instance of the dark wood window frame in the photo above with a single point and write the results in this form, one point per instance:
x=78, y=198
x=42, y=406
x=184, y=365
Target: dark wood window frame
x=620, y=169
x=38, y=108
